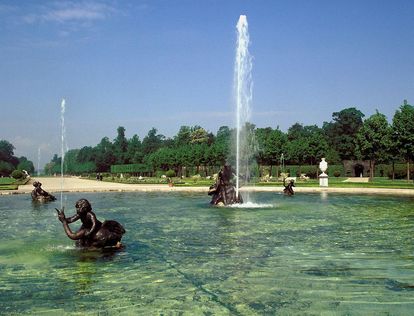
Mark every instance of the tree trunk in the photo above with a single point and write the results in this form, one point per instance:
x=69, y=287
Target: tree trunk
x=393, y=170
x=371, y=169
x=408, y=169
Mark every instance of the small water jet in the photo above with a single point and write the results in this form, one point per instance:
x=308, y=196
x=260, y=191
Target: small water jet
x=38, y=161
x=62, y=149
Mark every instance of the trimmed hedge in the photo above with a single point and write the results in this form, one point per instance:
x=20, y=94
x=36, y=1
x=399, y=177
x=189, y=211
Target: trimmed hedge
x=130, y=168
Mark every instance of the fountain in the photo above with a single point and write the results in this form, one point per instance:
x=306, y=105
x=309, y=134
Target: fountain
x=224, y=191
x=243, y=96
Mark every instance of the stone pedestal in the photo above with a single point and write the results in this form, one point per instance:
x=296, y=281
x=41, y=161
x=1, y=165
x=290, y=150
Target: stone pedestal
x=323, y=179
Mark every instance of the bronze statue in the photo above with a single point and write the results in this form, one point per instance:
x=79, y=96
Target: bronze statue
x=38, y=194
x=223, y=190
x=288, y=190
x=92, y=233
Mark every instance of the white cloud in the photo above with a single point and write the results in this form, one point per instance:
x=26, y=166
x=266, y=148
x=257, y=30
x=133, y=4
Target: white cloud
x=70, y=12
x=5, y=8
x=78, y=11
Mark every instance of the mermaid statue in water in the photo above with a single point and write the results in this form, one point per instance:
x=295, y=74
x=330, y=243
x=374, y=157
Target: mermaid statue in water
x=92, y=233
x=38, y=194
x=223, y=191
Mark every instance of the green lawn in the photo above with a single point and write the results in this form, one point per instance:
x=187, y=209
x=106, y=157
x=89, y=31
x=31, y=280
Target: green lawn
x=338, y=183
x=8, y=184
x=333, y=182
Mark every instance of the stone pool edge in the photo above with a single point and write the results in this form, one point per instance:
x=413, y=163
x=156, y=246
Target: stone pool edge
x=74, y=184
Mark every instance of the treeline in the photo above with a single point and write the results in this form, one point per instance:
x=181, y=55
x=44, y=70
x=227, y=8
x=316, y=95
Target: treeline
x=10, y=163
x=347, y=136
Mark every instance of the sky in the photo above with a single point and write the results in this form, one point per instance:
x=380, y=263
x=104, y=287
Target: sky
x=168, y=63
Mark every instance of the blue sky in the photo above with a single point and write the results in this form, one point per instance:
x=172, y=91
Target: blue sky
x=164, y=64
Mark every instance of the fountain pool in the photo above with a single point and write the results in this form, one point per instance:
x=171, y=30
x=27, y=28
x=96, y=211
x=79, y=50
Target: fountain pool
x=310, y=254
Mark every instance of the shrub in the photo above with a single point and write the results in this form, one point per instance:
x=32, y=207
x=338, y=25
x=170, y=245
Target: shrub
x=170, y=173
x=400, y=172
x=5, y=168
x=17, y=174
x=337, y=173
x=310, y=171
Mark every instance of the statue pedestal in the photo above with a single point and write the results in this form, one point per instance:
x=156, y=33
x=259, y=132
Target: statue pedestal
x=323, y=179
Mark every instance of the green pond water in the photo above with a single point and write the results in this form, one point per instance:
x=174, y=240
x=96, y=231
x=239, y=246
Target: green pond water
x=309, y=254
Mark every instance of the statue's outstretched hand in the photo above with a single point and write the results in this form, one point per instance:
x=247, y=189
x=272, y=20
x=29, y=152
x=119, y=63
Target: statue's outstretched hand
x=61, y=214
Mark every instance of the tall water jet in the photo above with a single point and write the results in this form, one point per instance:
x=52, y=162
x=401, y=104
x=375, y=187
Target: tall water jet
x=243, y=86
x=62, y=149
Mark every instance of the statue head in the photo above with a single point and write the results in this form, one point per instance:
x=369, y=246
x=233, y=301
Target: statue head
x=83, y=206
x=37, y=184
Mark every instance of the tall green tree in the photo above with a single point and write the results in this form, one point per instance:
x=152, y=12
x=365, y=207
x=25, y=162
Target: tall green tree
x=297, y=147
x=152, y=142
x=199, y=136
x=342, y=130
x=104, y=155
x=403, y=132
x=120, y=146
x=373, y=140
x=135, y=153
x=221, y=146
x=183, y=136
x=7, y=153
x=271, y=145
x=86, y=154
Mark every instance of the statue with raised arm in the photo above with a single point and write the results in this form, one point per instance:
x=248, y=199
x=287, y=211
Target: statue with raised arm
x=38, y=194
x=288, y=190
x=92, y=233
x=223, y=191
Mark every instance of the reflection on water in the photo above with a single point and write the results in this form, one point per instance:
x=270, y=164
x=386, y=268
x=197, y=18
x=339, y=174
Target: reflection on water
x=309, y=254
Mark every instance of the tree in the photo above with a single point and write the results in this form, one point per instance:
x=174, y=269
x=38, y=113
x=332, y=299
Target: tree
x=152, y=141
x=120, y=146
x=271, y=144
x=317, y=144
x=403, y=132
x=134, y=152
x=221, y=146
x=296, y=151
x=8, y=162
x=6, y=150
x=183, y=137
x=25, y=164
x=86, y=154
x=104, y=155
x=6, y=168
x=373, y=139
x=342, y=130
x=7, y=153
x=199, y=136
